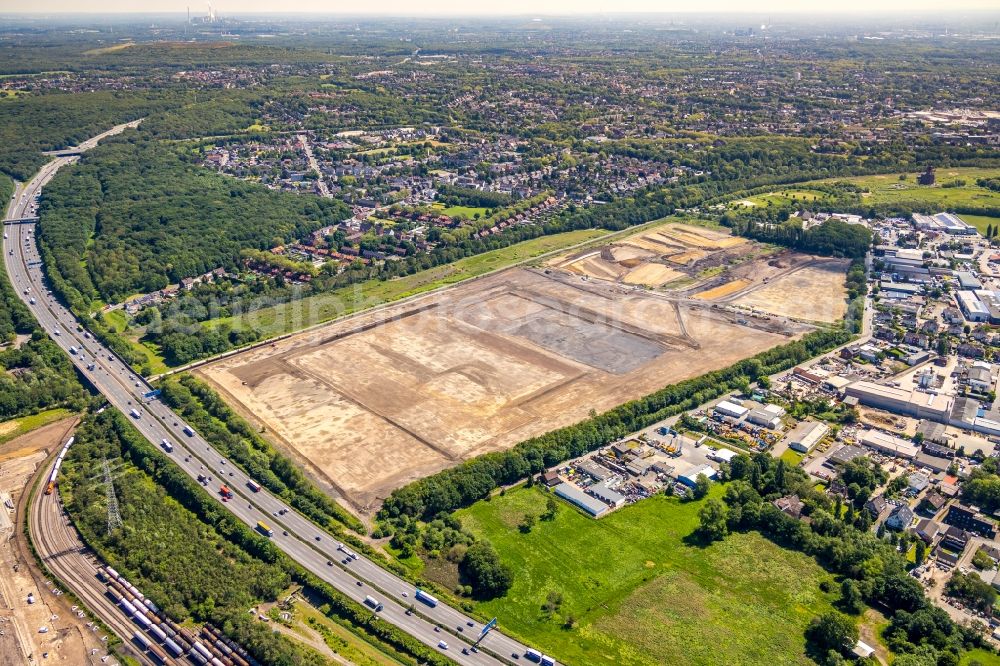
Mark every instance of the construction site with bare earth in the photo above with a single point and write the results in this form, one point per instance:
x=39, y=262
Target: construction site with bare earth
x=371, y=402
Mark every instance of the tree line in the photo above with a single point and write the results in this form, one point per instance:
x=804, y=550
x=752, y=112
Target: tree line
x=475, y=479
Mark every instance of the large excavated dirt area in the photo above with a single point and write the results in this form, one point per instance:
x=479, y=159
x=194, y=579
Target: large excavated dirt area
x=370, y=403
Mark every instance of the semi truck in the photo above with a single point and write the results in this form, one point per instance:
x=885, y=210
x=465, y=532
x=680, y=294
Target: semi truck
x=374, y=603
x=426, y=598
x=263, y=528
x=253, y=485
x=188, y=431
x=167, y=446
x=134, y=413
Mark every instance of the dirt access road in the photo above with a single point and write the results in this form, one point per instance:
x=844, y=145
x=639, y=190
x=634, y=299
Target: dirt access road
x=67, y=639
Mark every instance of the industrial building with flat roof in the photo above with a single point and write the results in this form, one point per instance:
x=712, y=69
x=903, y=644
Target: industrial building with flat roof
x=907, y=402
x=944, y=222
x=727, y=408
x=806, y=435
x=970, y=305
x=574, y=495
x=889, y=444
x=690, y=478
x=845, y=454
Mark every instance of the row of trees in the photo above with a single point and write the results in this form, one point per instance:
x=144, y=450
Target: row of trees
x=475, y=479
x=237, y=440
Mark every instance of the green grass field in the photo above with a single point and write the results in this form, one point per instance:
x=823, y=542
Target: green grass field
x=640, y=594
x=888, y=188
x=17, y=427
x=289, y=317
x=791, y=457
x=467, y=211
x=981, y=657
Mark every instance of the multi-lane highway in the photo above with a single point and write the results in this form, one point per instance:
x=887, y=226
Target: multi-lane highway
x=308, y=545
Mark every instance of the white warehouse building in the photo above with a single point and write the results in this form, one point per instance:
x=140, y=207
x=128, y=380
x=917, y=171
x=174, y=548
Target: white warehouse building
x=727, y=408
x=806, y=435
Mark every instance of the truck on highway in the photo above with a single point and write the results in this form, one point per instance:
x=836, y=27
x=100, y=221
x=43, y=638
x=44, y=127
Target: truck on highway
x=253, y=485
x=264, y=529
x=426, y=598
x=91, y=366
x=72, y=350
x=167, y=446
x=134, y=413
x=189, y=431
x=226, y=492
x=32, y=300
x=373, y=603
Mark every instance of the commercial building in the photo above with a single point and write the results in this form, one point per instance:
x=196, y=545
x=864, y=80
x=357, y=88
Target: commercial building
x=690, y=478
x=968, y=518
x=574, y=495
x=845, y=454
x=764, y=418
x=970, y=305
x=607, y=495
x=889, y=444
x=967, y=280
x=727, y=408
x=990, y=301
x=943, y=223
x=907, y=402
x=806, y=435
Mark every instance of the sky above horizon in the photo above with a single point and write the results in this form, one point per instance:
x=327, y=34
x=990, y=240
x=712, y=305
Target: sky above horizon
x=539, y=7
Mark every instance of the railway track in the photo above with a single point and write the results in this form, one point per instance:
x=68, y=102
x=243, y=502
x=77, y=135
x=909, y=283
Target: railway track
x=73, y=563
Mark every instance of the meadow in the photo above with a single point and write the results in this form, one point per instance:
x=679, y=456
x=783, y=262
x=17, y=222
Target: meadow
x=889, y=189
x=636, y=590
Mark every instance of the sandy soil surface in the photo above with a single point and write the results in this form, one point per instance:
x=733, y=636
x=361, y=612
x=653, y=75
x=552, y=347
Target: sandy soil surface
x=654, y=275
x=371, y=403
x=68, y=640
x=724, y=289
x=813, y=293
x=643, y=259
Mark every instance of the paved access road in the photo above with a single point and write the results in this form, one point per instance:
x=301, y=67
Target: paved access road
x=311, y=547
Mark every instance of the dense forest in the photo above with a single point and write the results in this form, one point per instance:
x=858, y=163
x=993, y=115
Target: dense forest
x=832, y=238
x=135, y=216
x=32, y=124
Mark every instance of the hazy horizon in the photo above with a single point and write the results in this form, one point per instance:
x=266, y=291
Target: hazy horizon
x=510, y=8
